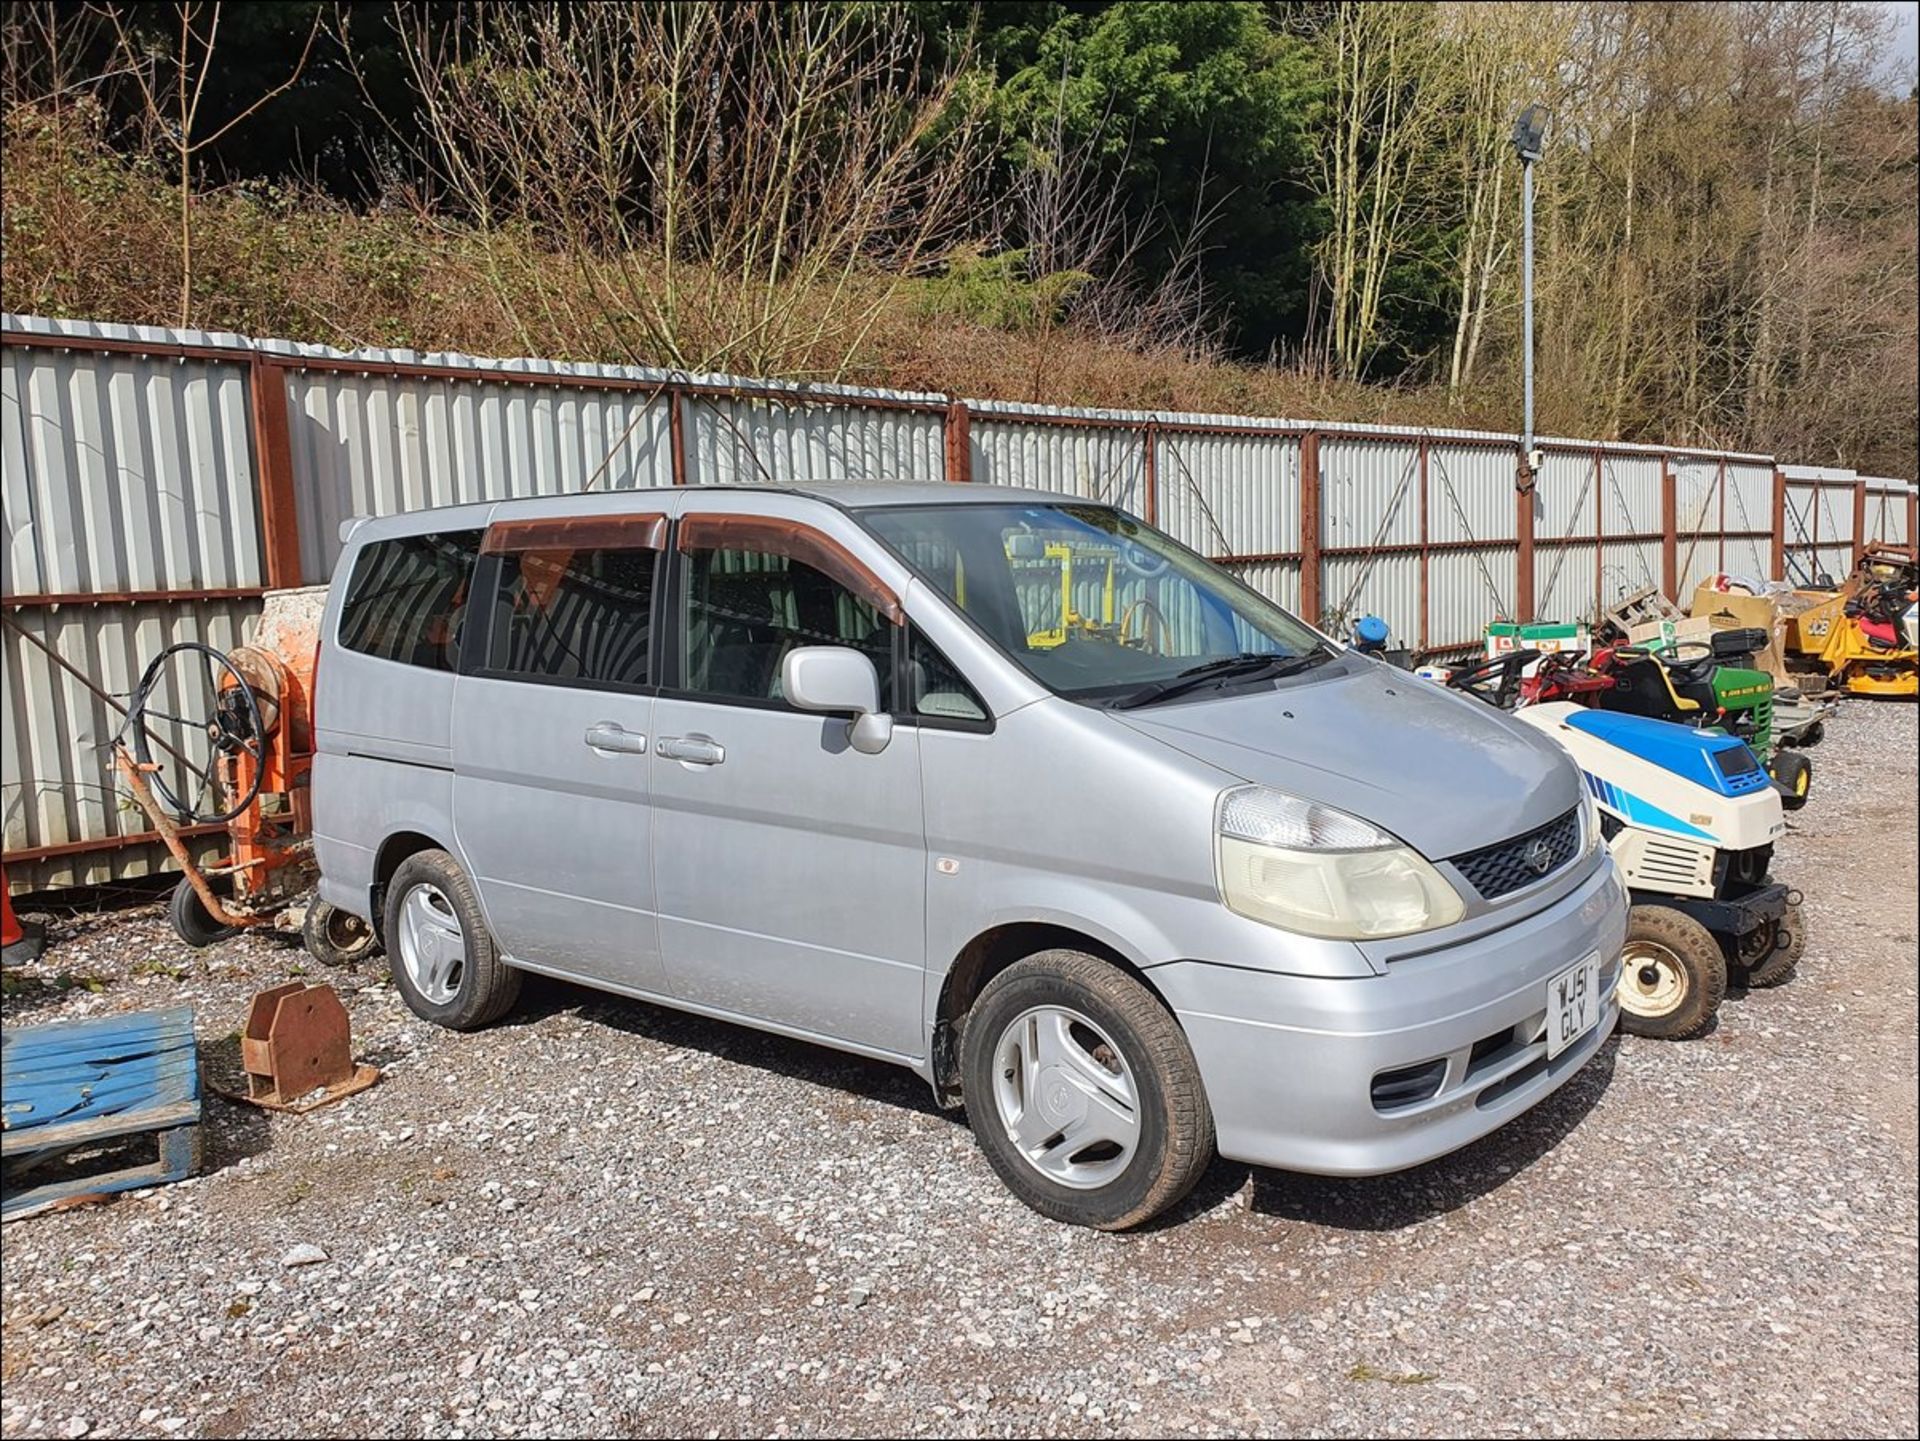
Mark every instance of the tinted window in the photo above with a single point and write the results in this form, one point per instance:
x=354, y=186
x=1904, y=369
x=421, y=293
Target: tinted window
x=408, y=596
x=574, y=614
x=746, y=609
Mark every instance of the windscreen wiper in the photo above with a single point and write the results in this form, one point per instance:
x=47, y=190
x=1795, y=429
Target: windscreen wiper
x=1263, y=665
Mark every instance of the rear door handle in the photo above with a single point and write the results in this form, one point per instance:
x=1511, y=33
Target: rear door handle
x=606, y=736
x=695, y=750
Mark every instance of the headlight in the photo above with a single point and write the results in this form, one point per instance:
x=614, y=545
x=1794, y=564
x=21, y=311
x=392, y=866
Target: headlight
x=1309, y=868
x=1589, y=821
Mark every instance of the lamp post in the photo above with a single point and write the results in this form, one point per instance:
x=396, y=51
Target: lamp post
x=1528, y=133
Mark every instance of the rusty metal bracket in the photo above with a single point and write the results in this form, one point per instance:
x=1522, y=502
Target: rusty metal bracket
x=298, y=1050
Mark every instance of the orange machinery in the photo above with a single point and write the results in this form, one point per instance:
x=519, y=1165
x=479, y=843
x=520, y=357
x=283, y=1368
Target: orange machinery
x=226, y=738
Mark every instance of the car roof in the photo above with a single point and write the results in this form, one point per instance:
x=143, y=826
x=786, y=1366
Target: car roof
x=843, y=495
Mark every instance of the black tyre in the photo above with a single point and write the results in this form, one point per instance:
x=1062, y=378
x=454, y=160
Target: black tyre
x=1793, y=775
x=1673, y=975
x=1773, y=966
x=1083, y=1092
x=444, y=961
x=1814, y=734
x=192, y=922
x=335, y=937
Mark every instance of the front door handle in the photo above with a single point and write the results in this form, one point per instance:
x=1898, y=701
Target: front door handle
x=606, y=736
x=695, y=750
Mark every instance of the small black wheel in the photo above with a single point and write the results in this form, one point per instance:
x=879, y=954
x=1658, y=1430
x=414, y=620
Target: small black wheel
x=1814, y=734
x=1673, y=975
x=1083, y=1092
x=335, y=937
x=191, y=920
x=1793, y=776
x=1786, y=940
x=444, y=961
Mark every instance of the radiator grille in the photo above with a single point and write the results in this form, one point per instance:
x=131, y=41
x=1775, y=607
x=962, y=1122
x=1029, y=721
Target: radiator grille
x=1514, y=864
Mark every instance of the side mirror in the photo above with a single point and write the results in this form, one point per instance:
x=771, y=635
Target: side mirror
x=838, y=679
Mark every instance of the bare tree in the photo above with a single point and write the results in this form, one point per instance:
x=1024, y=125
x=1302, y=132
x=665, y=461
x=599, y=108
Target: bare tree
x=171, y=85
x=742, y=185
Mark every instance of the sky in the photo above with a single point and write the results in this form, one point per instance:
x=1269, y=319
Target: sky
x=1897, y=66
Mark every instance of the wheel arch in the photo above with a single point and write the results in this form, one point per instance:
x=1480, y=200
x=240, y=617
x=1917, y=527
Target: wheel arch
x=986, y=956
x=393, y=853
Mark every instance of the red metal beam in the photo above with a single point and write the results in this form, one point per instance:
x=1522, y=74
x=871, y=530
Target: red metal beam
x=959, y=440
x=1779, y=524
x=1859, y=519
x=106, y=843
x=1599, y=530
x=1424, y=552
x=1310, y=527
x=676, y=437
x=273, y=470
x=1150, y=471
x=1669, y=533
x=128, y=597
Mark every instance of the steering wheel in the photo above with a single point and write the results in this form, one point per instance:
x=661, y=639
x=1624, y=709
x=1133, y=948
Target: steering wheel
x=1155, y=618
x=1686, y=660
x=1495, y=680
x=226, y=712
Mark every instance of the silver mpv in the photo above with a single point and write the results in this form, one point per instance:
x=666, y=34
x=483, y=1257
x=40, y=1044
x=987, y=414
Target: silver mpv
x=1002, y=786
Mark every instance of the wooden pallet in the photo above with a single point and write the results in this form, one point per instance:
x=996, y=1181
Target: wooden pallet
x=92, y=1107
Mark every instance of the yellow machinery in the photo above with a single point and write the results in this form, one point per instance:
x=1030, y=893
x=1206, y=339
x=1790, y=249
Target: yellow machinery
x=1862, y=635
x=1072, y=619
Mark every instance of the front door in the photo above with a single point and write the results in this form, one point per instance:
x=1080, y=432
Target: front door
x=551, y=739
x=791, y=869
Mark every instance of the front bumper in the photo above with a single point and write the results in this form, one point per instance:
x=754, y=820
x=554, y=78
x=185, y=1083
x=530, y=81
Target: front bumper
x=1289, y=1061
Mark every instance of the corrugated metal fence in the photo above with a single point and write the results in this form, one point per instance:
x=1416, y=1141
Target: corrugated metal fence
x=156, y=482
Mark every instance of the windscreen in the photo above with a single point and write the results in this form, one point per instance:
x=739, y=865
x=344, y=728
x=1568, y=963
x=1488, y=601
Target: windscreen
x=1092, y=602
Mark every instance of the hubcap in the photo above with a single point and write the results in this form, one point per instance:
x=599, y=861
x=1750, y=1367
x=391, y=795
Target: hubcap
x=433, y=949
x=1652, y=980
x=1066, y=1096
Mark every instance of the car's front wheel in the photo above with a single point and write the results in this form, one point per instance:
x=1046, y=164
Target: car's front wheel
x=1083, y=1092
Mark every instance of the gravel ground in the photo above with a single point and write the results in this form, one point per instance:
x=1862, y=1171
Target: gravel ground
x=603, y=1218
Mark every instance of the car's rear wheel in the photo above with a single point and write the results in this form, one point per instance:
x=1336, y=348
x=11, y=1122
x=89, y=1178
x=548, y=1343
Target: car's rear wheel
x=444, y=961
x=1673, y=975
x=1083, y=1092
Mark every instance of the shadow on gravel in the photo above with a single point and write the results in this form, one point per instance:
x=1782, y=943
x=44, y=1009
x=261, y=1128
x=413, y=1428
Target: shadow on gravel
x=817, y=1065
x=230, y=1130
x=1385, y=1203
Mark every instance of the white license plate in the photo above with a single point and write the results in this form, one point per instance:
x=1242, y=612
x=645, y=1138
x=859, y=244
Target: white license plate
x=1573, y=1004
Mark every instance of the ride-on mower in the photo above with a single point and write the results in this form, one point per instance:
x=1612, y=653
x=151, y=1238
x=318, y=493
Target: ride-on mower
x=252, y=710
x=1691, y=682
x=1862, y=636
x=1691, y=821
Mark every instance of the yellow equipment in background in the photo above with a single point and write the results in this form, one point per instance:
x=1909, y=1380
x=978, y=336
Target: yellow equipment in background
x=1862, y=635
x=1072, y=619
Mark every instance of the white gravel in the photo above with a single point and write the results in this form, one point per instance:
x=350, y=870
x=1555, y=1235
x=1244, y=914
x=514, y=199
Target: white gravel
x=600, y=1218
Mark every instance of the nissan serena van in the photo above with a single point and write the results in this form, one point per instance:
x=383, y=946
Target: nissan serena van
x=1002, y=786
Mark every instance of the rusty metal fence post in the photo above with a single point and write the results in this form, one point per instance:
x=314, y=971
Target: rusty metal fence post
x=1310, y=527
x=958, y=435
x=273, y=474
x=1669, y=531
x=1524, y=486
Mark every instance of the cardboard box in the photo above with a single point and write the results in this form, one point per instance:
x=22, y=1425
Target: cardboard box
x=1735, y=612
x=1504, y=636
x=1668, y=632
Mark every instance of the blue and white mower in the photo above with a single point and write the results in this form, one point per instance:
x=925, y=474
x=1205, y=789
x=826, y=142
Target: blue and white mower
x=1691, y=819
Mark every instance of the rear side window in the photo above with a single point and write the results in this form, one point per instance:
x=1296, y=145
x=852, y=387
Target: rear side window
x=574, y=616
x=408, y=596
